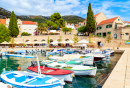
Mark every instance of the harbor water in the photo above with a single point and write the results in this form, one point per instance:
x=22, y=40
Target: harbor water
x=103, y=72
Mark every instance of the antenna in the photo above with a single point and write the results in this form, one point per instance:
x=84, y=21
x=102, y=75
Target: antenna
x=39, y=70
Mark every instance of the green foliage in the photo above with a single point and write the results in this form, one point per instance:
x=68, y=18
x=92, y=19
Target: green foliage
x=42, y=27
x=24, y=45
x=108, y=38
x=12, y=40
x=104, y=36
x=60, y=39
x=39, y=20
x=57, y=19
x=82, y=29
x=54, y=27
x=127, y=25
x=49, y=23
x=90, y=26
x=90, y=38
x=51, y=33
x=4, y=33
x=13, y=27
x=48, y=41
x=73, y=19
x=75, y=39
x=6, y=14
x=65, y=29
x=25, y=34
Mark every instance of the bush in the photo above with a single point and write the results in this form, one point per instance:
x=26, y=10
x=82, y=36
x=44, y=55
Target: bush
x=24, y=45
x=51, y=33
x=127, y=25
x=104, y=36
x=25, y=34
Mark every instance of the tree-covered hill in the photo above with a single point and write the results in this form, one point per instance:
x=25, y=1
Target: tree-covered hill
x=39, y=18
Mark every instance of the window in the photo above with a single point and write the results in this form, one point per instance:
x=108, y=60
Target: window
x=118, y=19
x=108, y=32
x=104, y=34
x=115, y=36
x=99, y=28
x=19, y=26
x=109, y=26
x=19, y=31
x=72, y=24
x=127, y=34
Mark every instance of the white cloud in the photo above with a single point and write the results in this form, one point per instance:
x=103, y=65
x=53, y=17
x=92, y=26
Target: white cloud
x=65, y=7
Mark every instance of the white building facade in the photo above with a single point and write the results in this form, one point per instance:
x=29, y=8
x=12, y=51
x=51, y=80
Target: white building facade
x=69, y=25
x=126, y=23
x=29, y=26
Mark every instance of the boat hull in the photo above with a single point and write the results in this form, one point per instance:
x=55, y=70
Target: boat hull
x=67, y=78
x=23, y=79
x=91, y=73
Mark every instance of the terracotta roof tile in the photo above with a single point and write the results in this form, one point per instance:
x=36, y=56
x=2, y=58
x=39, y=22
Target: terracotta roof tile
x=76, y=25
x=97, y=14
x=2, y=21
x=84, y=20
x=29, y=22
x=108, y=21
x=126, y=21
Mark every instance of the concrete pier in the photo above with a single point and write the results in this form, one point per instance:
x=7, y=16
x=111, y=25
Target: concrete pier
x=120, y=76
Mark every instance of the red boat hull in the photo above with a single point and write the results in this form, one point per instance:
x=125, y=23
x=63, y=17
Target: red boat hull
x=49, y=71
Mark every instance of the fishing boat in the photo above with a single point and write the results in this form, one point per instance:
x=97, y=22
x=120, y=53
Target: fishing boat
x=87, y=60
x=77, y=69
x=20, y=52
x=23, y=79
x=67, y=75
x=52, y=52
x=18, y=55
x=66, y=62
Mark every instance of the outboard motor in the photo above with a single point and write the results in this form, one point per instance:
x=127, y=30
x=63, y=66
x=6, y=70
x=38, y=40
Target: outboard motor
x=32, y=63
x=103, y=52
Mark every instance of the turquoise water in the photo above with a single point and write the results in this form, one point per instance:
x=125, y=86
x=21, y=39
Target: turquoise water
x=104, y=69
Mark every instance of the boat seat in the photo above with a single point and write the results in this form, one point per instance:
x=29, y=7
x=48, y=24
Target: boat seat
x=20, y=78
x=48, y=71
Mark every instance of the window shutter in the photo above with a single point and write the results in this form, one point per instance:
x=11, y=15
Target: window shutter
x=107, y=26
x=115, y=26
x=110, y=25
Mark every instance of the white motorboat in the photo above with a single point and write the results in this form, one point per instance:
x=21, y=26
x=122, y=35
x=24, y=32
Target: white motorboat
x=77, y=69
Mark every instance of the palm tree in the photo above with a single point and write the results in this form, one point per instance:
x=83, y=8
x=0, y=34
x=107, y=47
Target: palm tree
x=42, y=27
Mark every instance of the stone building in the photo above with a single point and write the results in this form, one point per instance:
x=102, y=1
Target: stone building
x=126, y=23
x=24, y=26
x=29, y=26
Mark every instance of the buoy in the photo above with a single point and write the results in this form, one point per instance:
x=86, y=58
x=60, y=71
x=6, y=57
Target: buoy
x=19, y=68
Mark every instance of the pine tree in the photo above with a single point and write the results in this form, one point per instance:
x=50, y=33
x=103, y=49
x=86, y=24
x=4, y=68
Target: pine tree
x=13, y=27
x=90, y=26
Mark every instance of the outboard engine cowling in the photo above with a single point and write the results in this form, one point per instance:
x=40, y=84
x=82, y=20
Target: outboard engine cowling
x=33, y=63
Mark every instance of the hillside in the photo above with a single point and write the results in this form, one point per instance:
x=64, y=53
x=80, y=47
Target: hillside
x=73, y=19
x=70, y=18
x=5, y=14
x=39, y=18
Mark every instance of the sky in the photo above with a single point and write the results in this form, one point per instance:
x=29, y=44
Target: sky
x=111, y=8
